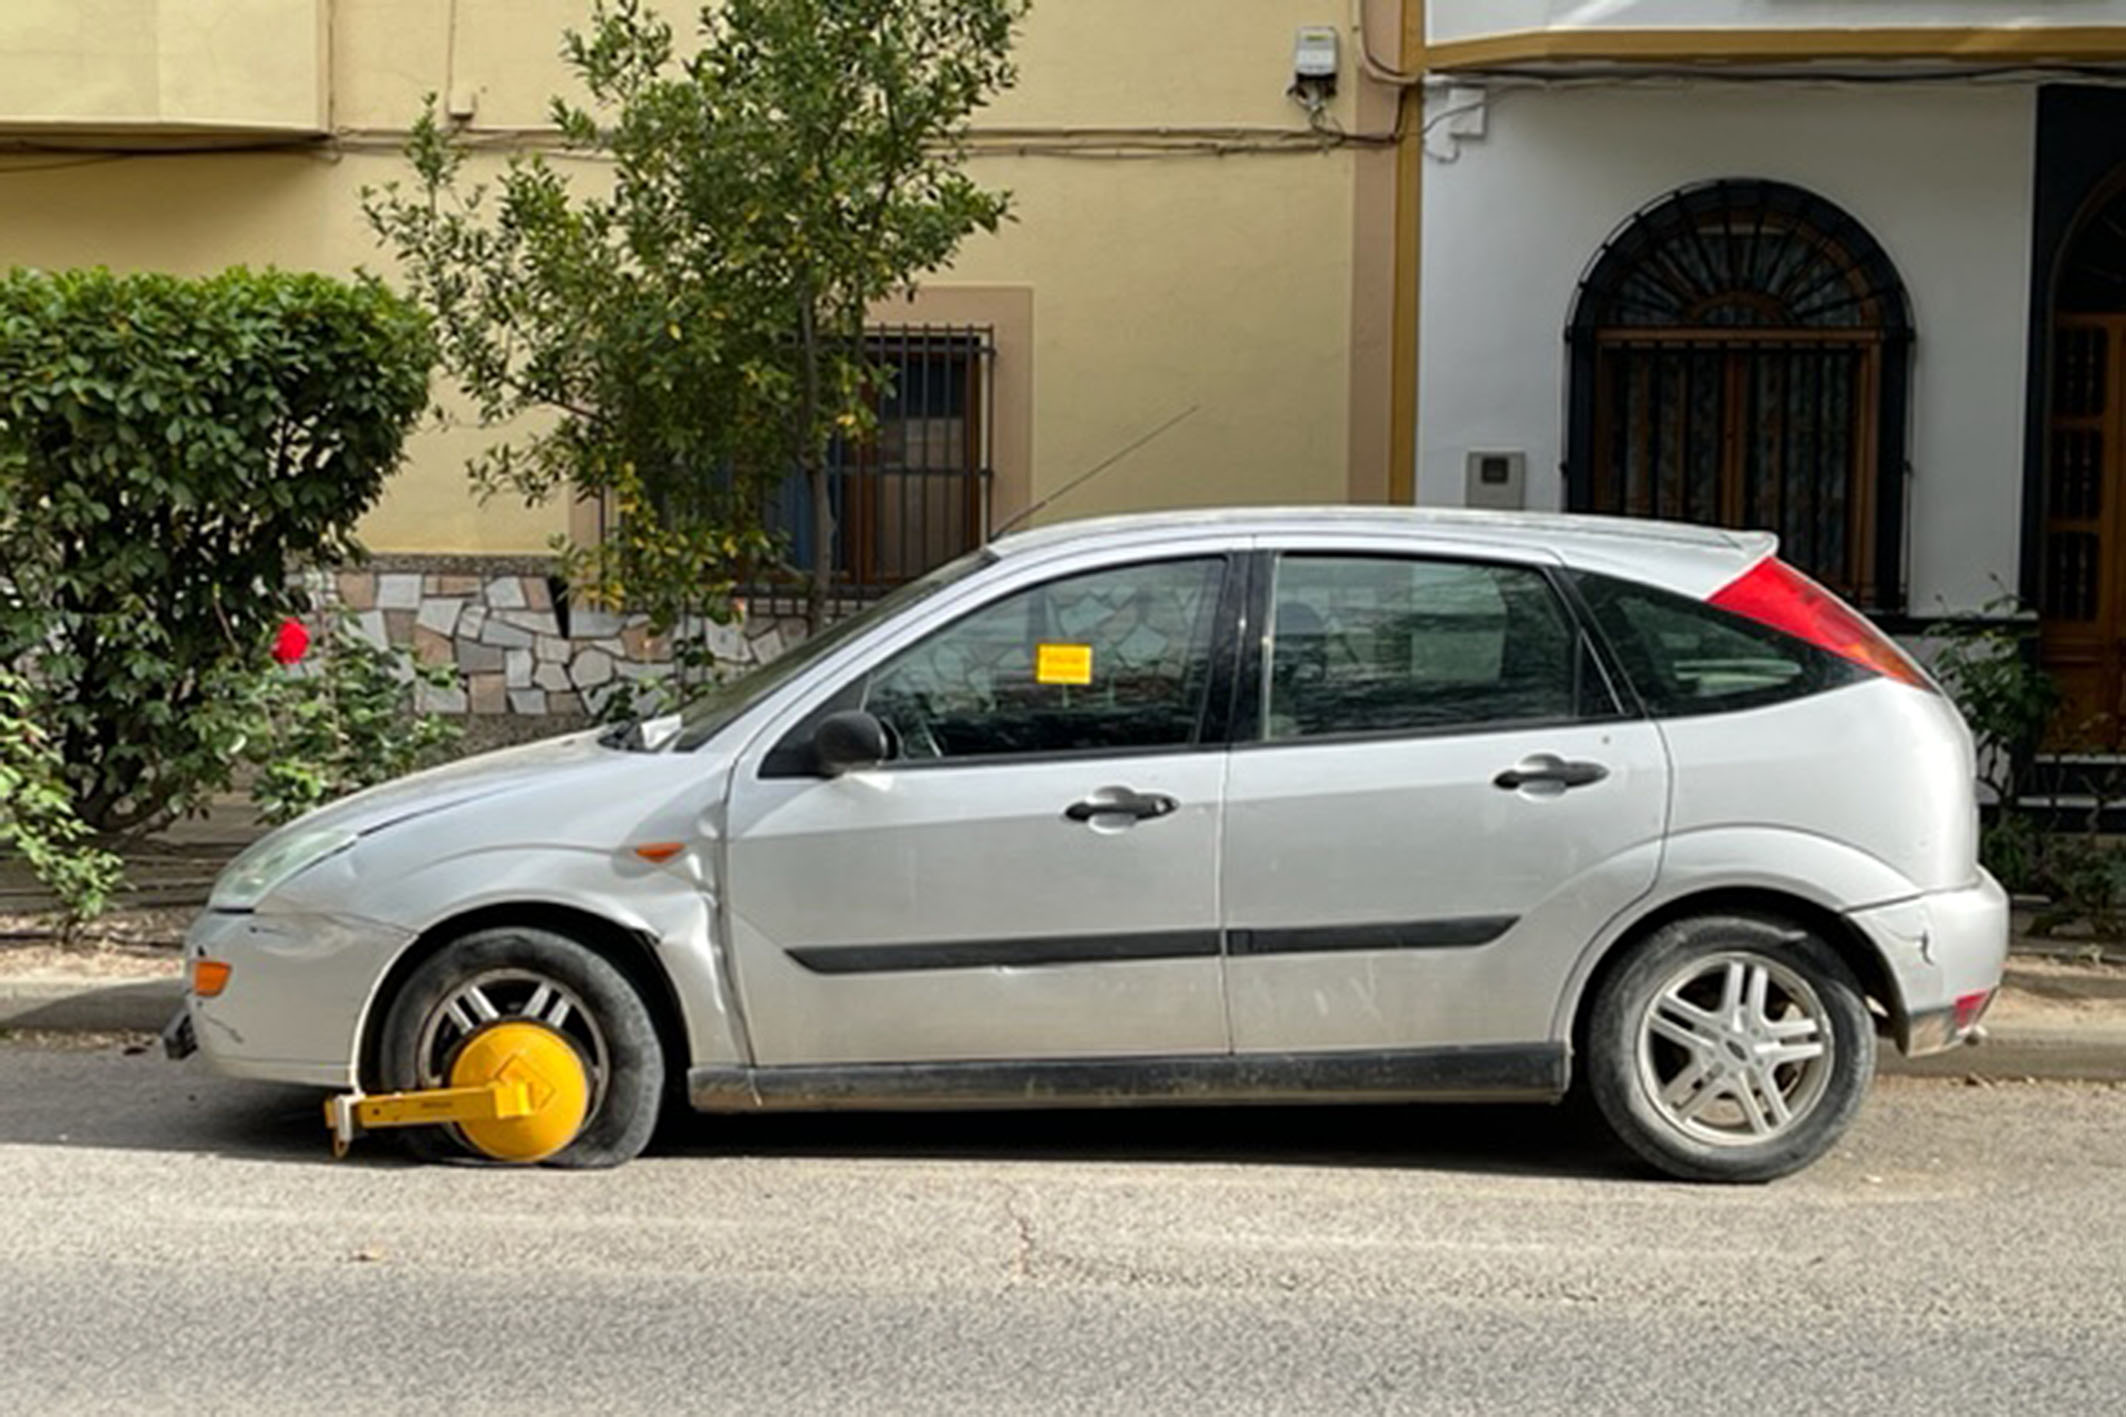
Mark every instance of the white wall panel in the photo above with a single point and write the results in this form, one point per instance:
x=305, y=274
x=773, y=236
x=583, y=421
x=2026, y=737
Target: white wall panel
x=1941, y=176
x=1447, y=20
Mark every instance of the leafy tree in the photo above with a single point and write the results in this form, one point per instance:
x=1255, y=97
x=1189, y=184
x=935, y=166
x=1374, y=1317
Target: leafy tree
x=694, y=327
x=169, y=450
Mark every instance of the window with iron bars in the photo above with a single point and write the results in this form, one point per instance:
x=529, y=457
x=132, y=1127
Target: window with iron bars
x=1740, y=357
x=915, y=493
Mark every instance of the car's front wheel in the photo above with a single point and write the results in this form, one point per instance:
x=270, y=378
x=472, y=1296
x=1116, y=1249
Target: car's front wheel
x=517, y=974
x=1730, y=1048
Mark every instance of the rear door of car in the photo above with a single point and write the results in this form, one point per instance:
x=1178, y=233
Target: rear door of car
x=1436, y=798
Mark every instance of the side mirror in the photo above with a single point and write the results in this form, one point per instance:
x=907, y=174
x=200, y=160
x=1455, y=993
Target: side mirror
x=849, y=740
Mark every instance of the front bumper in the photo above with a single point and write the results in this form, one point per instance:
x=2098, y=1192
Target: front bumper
x=299, y=988
x=1940, y=947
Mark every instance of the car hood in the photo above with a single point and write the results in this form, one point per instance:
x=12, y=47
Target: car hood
x=484, y=775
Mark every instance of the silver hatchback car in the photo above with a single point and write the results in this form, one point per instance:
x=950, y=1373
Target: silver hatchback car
x=1332, y=805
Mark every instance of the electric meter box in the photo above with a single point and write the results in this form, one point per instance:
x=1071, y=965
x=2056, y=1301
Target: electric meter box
x=1497, y=481
x=1314, y=53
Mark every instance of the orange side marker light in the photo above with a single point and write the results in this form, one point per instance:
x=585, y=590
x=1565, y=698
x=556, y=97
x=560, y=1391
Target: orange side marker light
x=659, y=852
x=210, y=977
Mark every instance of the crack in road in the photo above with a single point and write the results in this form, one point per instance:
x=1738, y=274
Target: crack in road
x=1023, y=1251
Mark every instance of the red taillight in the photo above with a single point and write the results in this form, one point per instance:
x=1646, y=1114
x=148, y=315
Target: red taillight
x=1970, y=1008
x=1774, y=593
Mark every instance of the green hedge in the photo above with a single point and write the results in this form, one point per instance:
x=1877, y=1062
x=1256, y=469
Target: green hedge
x=169, y=450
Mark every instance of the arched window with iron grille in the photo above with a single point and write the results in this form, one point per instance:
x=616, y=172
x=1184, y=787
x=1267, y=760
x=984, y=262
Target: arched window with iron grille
x=1740, y=356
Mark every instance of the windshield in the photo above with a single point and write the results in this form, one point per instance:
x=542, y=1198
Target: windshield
x=708, y=712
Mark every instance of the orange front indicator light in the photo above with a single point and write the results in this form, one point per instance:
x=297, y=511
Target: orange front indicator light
x=210, y=977
x=660, y=851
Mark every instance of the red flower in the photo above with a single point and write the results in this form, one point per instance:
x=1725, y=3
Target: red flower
x=291, y=643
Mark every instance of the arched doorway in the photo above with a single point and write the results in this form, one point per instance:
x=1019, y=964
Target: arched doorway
x=1740, y=356
x=2081, y=592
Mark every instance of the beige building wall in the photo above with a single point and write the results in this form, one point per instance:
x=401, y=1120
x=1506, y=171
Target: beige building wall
x=1186, y=249
x=196, y=68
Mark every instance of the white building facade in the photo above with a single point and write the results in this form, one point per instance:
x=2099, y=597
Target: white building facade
x=1863, y=283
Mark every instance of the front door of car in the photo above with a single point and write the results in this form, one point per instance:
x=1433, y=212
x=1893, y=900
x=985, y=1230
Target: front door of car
x=1033, y=871
x=1441, y=803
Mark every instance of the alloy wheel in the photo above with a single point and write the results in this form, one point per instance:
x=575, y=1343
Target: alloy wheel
x=1734, y=1049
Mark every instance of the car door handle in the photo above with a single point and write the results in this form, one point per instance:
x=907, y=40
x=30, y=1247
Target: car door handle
x=1121, y=802
x=1549, y=767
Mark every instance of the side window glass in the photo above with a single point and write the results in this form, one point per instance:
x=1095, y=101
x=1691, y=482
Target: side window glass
x=1114, y=659
x=1380, y=645
x=1686, y=657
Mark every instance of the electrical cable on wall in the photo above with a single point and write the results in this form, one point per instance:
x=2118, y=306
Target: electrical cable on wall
x=1321, y=133
x=1378, y=70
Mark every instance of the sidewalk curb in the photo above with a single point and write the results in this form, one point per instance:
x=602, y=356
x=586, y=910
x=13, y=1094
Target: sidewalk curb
x=90, y=1006
x=2023, y=1053
x=2013, y=1054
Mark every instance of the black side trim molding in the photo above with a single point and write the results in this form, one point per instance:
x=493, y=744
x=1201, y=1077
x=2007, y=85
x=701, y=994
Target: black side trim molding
x=1461, y=933
x=991, y=954
x=1527, y=1072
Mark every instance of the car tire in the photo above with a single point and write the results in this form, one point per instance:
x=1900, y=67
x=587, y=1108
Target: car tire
x=520, y=972
x=1730, y=1048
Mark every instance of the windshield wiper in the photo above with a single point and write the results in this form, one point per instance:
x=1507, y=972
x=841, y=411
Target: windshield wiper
x=641, y=734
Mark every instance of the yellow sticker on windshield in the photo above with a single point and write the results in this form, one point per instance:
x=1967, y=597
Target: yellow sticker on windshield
x=1063, y=664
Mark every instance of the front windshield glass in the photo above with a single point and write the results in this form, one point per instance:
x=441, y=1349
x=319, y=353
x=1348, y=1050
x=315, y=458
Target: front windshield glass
x=708, y=712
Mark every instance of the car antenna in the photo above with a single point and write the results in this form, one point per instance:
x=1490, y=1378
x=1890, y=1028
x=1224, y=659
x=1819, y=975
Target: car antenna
x=1095, y=470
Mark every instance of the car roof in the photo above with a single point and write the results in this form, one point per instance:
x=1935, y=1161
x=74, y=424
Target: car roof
x=1694, y=560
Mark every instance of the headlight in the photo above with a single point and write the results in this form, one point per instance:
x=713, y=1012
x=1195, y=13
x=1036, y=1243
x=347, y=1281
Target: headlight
x=251, y=876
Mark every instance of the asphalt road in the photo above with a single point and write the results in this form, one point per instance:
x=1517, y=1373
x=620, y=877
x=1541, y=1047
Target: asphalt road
x=173, y=1242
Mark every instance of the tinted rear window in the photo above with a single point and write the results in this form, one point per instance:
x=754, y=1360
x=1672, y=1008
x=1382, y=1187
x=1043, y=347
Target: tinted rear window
x=1687, y=657
x=1365, y=644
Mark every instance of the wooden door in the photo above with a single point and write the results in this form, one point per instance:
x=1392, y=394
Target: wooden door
x=2085, y=529
x=1760, y=429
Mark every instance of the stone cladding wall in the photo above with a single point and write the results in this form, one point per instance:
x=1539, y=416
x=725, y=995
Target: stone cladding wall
x=496, y=621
